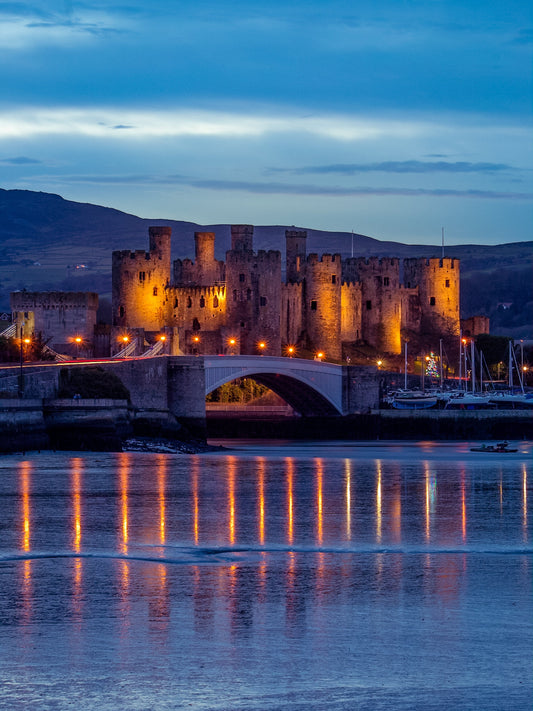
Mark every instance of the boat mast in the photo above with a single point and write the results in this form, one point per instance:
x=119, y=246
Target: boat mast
x=473, y=364
x=405, y=367
x=460, y=360
x=440, y=362
x=510, y=375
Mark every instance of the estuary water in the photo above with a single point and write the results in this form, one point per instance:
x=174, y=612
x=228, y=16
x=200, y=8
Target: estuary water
x=268, y=576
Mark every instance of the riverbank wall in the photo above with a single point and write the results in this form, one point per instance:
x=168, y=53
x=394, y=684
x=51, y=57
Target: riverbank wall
x=382, y=424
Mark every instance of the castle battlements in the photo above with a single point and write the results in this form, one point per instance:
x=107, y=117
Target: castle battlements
x=324, y=302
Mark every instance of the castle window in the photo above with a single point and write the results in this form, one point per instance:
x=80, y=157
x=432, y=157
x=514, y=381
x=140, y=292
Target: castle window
x=243, y=324
x=369, y=305
x=142, y=277
x=121, y=311
x=215, y=301
x=313, y=305
x=241, y=277
x=385, y=281
x=447, y=283
x=262, y=301
x=195, y=325
x=189, y=302
x=154, y=292
x=432, y=301
x=202, y=302
x=333, y=278
x=176, y=303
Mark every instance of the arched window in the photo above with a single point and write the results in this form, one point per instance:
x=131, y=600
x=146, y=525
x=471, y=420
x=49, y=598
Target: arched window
x=189, y=302
x=155, y=291
x=215, y=302
x=202, y=302
x=121, y=311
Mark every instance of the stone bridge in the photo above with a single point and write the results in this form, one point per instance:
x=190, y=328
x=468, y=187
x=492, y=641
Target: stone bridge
x=179, y=384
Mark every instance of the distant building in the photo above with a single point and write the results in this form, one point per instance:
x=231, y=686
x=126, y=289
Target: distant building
x=58, y=317
x=475, y=326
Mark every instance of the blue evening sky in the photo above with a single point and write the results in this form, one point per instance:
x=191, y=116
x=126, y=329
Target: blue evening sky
x=393, y=118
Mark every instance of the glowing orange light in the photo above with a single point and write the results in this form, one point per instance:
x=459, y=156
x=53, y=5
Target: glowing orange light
x=262, y=345
x=77, y=339
x=232, y=341
x=27, y=340
x=162, y=338
x=196, y=339
x=125, y=339
x=320, y=355
x=290, y=351
x=380, y=363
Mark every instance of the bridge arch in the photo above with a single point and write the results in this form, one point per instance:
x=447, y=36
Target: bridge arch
x=311, y=388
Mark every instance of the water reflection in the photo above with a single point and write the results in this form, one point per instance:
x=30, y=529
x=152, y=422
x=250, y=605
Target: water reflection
x=261, y=467
x=76, y=471
x=319, y=475
x=232, y=471
x=524, y=503
x=348, y=497
x=378, y=501
x=289, y=468
x=25, y=473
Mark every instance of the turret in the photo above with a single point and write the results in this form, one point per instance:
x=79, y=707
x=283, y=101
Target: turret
x=296, y=250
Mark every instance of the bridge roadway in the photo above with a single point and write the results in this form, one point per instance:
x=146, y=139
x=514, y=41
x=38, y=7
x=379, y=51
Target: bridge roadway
x=179, y=384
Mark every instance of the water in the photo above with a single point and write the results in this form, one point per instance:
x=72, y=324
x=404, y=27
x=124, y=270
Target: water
x=310, y=576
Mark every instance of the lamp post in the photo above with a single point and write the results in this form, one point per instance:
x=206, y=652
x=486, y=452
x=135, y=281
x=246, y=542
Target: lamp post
x=21, y=375
x=77, y=341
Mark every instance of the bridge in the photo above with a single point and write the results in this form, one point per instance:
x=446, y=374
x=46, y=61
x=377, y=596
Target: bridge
x=179, y=384
x=310, y=387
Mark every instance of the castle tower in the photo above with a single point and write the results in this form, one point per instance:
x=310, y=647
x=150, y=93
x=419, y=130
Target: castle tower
x=381, y=305
x=206, y=265
x=160, y=238
x=139, y=283
x=253, y=291
x=242, y=237
x=296, y=250
x=438, y=284
x=322, y=304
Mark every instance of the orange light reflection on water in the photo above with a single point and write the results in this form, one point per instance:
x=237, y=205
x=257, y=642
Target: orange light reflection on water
x=378, y=501
x=196, y=499
x=27, y=590
x=161, y=495
x=524, y=501
x=261, y=465
x=319, y=502
x=348, y=496
x=289, y=461
x=232, y=468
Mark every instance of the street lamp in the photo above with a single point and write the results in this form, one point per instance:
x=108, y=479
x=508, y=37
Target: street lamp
x=319, y=355
x=290, y=351
x=77, y=341
x=261, y=346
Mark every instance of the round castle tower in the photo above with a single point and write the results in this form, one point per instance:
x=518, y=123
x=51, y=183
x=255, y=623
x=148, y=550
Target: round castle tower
x=139, y=282
x=438, y=284
x=380, y=301
x=323, y=303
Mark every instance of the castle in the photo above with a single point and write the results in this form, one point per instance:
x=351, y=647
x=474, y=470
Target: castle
x=243, y=305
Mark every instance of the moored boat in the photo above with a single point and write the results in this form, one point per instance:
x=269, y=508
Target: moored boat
x=500, y=448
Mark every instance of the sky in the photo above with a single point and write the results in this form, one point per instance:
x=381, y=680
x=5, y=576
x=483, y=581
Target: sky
x=392, y=118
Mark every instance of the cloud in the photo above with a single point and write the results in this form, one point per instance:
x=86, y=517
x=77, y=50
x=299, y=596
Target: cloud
x=19, y=160
x=408, y=166
x=277, y=188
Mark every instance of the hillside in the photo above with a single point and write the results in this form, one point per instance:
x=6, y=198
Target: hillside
x=52, y=243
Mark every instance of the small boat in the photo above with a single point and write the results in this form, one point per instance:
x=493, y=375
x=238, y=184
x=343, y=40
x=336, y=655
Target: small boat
x=412, y=400
x=500, y=448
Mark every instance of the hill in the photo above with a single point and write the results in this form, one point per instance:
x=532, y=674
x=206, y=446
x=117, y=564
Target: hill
x=51, y=243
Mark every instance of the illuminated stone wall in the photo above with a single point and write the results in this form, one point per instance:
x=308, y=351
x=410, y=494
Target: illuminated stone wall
x=58, y=316
x=322, y=307
x=139, y=283
x=438, y=287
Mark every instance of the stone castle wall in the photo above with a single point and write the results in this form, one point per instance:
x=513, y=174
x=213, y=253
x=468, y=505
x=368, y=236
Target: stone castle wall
x=324, y=301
